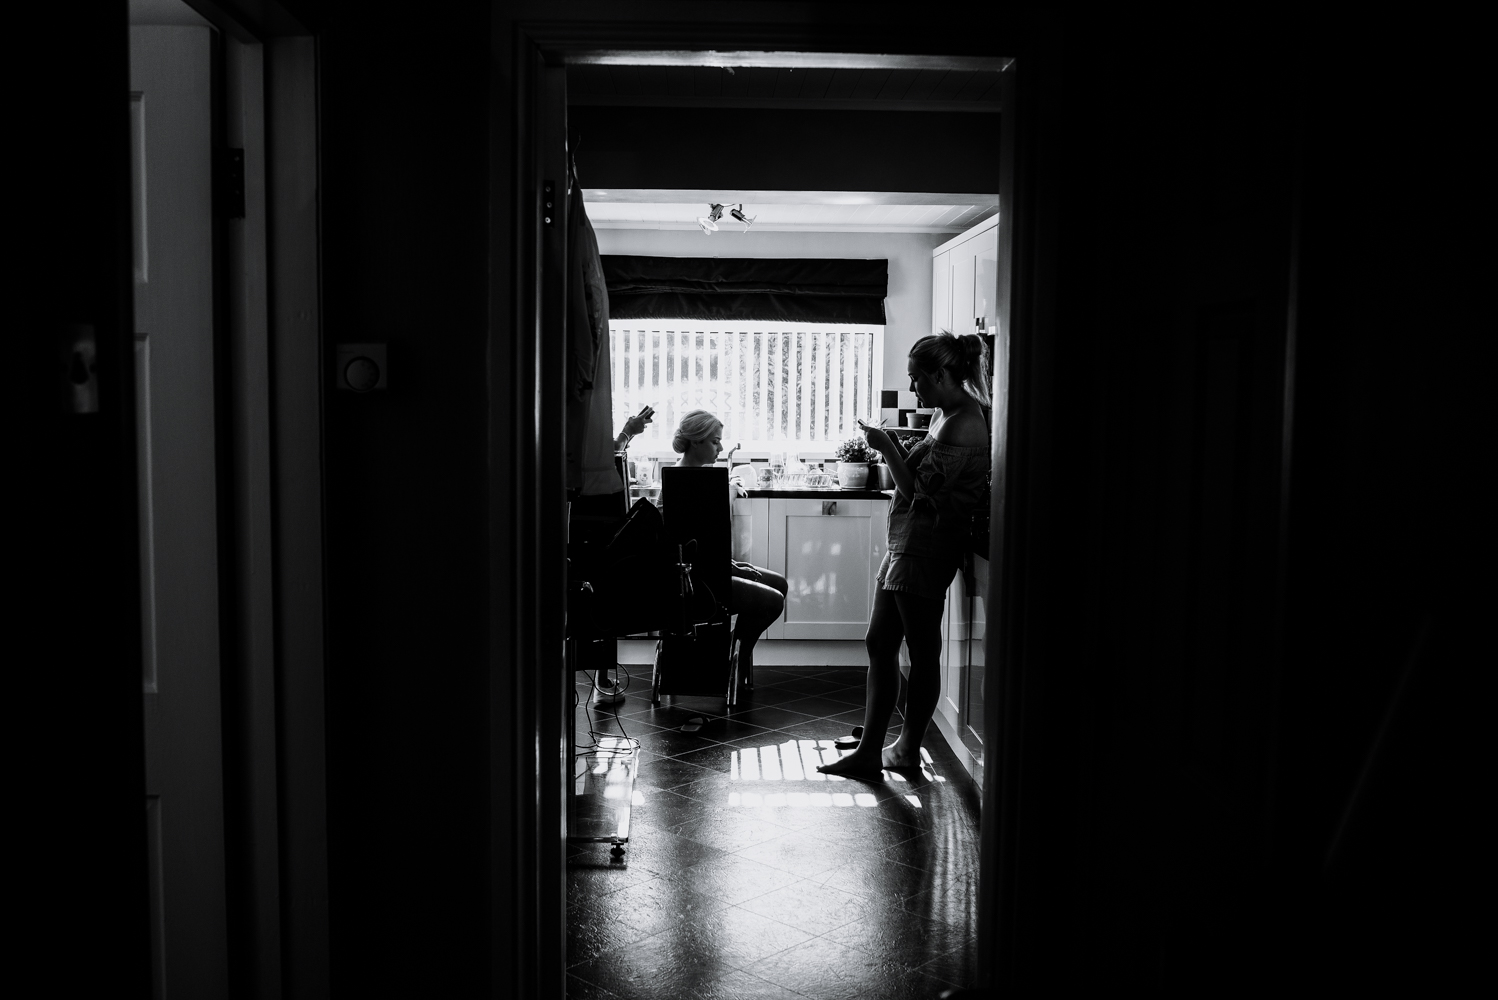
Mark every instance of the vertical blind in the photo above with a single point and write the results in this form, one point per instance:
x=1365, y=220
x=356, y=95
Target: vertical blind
x=771, y=383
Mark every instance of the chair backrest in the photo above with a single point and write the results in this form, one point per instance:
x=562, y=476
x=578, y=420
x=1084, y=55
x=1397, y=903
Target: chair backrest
x=696, y=508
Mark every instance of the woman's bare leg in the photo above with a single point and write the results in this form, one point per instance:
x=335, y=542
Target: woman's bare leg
x=758, y=604
x=922, y=619
x=883, y=688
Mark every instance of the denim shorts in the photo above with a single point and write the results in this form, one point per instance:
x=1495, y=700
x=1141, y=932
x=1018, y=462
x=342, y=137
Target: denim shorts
x=923, y=576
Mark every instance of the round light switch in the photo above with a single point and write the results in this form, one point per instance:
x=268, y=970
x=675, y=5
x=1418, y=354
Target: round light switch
x=362, y=373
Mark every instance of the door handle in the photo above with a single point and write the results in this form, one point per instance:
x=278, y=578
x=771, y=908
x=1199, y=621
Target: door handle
x=78, y=357
x=829, y=506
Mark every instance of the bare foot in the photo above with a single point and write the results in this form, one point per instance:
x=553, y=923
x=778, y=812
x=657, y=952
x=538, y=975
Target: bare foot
x=855, y=765
x=899, y=758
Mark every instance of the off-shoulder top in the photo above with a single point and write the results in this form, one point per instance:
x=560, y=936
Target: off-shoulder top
x=949, y=481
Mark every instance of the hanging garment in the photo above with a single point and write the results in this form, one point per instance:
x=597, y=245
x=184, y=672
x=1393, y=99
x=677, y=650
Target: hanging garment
x=590, y=399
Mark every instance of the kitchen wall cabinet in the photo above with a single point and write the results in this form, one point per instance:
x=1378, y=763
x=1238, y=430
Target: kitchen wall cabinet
x=965, y=281
x=829, y=552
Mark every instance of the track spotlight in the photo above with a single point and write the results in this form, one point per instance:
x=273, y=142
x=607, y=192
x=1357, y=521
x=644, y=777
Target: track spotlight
x=709, y=222
x=747, y=220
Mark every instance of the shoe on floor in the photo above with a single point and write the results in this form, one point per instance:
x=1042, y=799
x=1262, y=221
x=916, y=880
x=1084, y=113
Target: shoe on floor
x=849, y=742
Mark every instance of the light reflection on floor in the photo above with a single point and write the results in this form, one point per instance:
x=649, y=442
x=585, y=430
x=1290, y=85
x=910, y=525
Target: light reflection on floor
x=797, y=760
x=749, y=873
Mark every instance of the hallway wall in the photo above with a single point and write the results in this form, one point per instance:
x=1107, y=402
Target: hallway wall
x=404, y=179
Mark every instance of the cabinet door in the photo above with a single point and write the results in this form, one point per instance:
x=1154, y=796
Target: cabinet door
x=753, y=516
x=986, y=278
x=772, y=529
x=965, y=285
x=941, y=292
x=963, y=280
x=830, y=556
x=954, y=653
x=976, y=666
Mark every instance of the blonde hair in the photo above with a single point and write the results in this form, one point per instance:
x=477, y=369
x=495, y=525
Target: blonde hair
x=965, y=357
x=694, y=427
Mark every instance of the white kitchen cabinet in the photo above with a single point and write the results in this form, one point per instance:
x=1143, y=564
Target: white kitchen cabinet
x=941, y=291
x=965, y=280
x=757, y=511
x=972, y=732
x=954, y=632
x=829, y=551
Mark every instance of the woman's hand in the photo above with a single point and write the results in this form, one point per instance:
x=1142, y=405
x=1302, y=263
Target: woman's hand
x=878, y=439
x=635, y=425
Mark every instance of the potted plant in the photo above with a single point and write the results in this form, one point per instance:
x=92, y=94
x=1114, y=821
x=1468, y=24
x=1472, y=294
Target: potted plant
x=853, y=458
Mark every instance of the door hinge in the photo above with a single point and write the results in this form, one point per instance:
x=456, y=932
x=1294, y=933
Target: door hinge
x=548, y=199
x=229, y=184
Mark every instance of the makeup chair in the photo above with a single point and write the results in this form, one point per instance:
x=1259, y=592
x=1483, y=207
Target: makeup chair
x=666, y=577
x=700, y=655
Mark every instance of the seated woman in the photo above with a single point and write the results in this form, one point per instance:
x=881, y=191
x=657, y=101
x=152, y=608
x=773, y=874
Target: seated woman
x=938, y=484
x=757, y=595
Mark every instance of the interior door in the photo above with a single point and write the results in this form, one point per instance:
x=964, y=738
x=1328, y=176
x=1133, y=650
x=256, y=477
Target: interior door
x=172, y=182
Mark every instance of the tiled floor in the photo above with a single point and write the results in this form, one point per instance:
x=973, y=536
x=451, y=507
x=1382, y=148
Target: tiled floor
x=743, y=886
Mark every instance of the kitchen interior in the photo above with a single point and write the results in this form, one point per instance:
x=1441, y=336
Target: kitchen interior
x=811, y=509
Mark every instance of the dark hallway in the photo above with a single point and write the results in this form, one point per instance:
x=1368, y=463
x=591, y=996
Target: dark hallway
x=1237, y=640
x=748, y=874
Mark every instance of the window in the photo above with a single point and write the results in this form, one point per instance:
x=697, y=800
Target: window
x=775, y=385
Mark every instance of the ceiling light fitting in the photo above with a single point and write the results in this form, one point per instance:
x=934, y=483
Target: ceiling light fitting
x=747, y=220
x=709, y=222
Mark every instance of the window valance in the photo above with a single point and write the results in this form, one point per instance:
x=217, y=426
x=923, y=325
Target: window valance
x=787, y=289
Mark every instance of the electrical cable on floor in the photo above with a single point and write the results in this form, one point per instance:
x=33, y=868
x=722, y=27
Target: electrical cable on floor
x=588, y=715
x=623, y=742
x=634, y=744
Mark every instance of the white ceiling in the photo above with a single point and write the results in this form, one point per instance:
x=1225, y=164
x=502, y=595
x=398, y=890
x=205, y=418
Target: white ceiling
x=792, y=211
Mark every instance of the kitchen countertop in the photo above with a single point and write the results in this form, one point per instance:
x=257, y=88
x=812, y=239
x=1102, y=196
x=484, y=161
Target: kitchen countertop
x=833, y=494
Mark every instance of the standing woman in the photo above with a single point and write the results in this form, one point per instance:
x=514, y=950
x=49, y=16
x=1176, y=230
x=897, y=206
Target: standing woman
x=756, y=594
x=938, y=485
